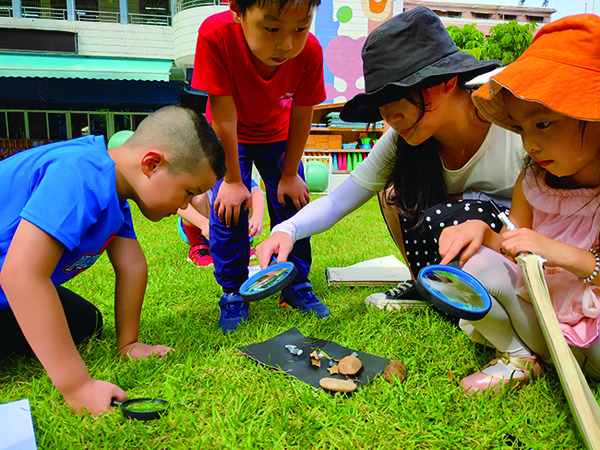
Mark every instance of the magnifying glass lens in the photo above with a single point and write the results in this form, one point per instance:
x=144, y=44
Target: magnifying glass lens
x=268, y=280
x=447, y=285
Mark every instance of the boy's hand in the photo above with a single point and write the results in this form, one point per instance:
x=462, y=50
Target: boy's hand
x=94, y=396
x=230, y=199
x=255, y=226
x=137, y=350
x=466, y=237
x=295, y=188
x=279, y=243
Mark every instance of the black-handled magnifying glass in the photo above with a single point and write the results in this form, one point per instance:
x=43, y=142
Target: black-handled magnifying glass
x=142, y=408
x=268, y=281
x=454, y=291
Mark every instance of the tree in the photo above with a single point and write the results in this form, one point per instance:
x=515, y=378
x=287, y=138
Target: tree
x=468, y=38
x=508, y=41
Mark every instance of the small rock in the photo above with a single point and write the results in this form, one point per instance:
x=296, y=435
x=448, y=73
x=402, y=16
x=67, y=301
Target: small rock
x=349, y=365
x=294, y=350
x=333, y=384
x=395, y=372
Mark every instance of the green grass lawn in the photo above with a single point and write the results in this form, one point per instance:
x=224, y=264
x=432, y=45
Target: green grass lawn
x=221, y=399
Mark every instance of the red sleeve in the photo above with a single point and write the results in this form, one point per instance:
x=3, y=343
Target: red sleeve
x=210, y=71
x=311, y=90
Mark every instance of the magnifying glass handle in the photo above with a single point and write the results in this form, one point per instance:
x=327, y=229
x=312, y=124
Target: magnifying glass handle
x=273, y=260
x=456, y=261
x=115, y=402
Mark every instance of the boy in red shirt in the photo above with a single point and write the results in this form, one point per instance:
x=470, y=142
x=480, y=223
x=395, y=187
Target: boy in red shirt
x=263, y=71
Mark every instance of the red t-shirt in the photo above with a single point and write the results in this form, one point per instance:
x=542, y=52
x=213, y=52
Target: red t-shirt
x=223, y=66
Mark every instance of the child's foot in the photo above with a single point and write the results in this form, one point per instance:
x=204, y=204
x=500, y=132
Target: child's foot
x=403, y=296
x=234, y=310
x=302, y=297
x=253, y=255
x=200, y=255
x=502, y=371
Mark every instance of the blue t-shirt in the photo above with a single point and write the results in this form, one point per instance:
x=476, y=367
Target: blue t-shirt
x=67, y=189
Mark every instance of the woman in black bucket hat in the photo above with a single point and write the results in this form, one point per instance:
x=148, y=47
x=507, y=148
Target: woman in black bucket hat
x=437, y=148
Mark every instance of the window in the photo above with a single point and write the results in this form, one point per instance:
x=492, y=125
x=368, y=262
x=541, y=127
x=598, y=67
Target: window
x=535, y=19
x=122, y=122
x=454, y=14
x=480, y=15
x=57, y=125
x=38, y=129
x=98, y=125
x=508, y=17
x=3, y=130
x=16, y=125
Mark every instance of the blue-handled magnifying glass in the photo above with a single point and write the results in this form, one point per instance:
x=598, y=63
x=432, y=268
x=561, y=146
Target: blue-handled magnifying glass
x=268, y=281
x=454, y=291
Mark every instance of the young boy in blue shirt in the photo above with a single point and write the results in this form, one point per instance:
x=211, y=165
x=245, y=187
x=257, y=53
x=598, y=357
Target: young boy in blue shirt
x=263, y=72
x=63, y=204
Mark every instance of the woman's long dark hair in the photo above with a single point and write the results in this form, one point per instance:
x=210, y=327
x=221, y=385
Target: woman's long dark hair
x=417, y=179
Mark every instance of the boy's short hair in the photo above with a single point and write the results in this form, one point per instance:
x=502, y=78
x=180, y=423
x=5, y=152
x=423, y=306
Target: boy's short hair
x=245, y=5
x=185, y=134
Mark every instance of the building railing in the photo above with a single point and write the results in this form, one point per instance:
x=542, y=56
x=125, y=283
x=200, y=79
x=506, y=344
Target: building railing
x=97, y=16
x=81, y=15
x=149, y=19
x=189, y=4
x=32, y=12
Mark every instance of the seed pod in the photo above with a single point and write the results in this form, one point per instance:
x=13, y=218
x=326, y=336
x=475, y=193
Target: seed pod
x=395, y=372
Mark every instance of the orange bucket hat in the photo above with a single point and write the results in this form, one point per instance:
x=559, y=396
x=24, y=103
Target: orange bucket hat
x=560, y=70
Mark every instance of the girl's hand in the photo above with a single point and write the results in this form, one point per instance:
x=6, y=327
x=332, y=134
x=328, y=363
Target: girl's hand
x=525, y=239
x=229, y=200
x=467, y=237
x=137, y=350
x=94, y=396
x=295, y=188
x=279, y=243
x=255, y=226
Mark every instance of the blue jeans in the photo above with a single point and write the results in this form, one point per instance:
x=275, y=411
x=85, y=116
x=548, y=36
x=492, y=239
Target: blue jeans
x=229, y=246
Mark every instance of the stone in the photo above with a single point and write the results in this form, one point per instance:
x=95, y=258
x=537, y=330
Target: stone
x=337, y=385
x=395, y=372
x=350, y=365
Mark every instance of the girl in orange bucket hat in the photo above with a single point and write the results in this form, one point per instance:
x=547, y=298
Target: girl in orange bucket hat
x=551, y=97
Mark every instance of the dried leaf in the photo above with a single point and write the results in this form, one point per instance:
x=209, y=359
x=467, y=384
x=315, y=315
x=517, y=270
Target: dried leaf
x=334, y=369
x=314, y=359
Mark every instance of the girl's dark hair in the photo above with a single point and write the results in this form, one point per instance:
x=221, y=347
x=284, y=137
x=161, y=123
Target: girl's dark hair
x=245, y=5
x=417, y=179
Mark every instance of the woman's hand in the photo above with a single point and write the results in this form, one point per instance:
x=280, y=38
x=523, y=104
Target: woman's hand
x=465, y=238
x=279, y=243
x=295, y=188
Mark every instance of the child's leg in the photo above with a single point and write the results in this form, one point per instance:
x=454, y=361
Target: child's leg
x=268, y=159
x=229, y=246
x=511, y=325
x=83, y=318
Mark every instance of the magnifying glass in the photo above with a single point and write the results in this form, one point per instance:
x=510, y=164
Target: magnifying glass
x=142, y=408
x=454, y=291
x=268, y=281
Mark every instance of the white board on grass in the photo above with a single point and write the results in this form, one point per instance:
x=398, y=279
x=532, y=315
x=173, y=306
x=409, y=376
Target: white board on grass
x=378, y=271
x=16, y=426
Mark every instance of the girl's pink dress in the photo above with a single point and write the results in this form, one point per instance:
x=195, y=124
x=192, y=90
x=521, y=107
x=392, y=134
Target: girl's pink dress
x=571, y=216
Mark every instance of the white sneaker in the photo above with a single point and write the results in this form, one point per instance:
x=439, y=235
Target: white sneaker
x=405, y=295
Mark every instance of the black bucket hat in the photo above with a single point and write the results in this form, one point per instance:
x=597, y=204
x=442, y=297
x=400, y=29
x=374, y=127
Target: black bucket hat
x=410, y=52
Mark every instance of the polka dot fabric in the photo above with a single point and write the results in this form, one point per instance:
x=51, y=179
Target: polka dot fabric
x=423, y=251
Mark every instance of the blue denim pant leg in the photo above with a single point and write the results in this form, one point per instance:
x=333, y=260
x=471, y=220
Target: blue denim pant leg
x=268, y=159
x=229, y=247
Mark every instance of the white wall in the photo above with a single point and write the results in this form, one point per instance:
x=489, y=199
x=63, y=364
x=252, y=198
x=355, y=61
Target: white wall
x=108, y=39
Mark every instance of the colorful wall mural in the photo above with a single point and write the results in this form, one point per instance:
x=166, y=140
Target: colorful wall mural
x=342, y=28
